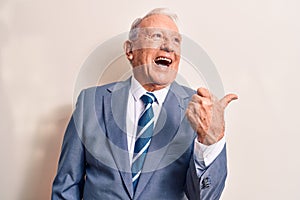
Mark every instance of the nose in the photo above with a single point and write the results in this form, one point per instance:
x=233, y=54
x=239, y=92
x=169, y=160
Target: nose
x=167, y=46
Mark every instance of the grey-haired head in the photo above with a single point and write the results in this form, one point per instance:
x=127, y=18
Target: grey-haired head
x=157, y=11
x=153, y=49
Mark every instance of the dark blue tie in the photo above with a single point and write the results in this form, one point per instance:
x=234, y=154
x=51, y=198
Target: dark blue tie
x=143, y=138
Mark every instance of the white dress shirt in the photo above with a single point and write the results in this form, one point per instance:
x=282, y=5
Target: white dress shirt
x=135, y=106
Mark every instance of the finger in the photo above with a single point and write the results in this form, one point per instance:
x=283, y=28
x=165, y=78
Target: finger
x=201, y=105
x=203, y=92
x=193, y=119
x=196, y=108
x=227, y=99
x=201, y=100
x=200, y=112
x=196, y=98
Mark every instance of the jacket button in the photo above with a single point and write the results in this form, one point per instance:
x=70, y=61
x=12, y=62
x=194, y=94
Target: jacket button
x=206, y=183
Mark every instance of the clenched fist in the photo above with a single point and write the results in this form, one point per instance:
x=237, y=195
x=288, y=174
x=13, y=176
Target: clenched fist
x=206, y=115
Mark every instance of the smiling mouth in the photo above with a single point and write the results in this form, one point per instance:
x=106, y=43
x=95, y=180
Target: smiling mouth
x=163, y=61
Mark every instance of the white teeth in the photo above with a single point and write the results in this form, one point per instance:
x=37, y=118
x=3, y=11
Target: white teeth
x=163, y=58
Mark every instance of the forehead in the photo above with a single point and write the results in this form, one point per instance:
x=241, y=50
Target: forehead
x=159, y=21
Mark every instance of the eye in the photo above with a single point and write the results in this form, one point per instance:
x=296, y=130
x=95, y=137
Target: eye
x=177, y=40
x=157, y=36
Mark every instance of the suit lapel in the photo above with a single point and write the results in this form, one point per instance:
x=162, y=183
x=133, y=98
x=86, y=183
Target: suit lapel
x=115, y=105
x=169, y=120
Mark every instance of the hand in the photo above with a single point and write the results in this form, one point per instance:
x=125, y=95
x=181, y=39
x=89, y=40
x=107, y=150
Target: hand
x=206, y=115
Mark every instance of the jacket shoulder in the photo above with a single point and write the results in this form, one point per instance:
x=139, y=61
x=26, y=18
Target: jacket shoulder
x=188, y=90
x=99, y=88
x=182, y=91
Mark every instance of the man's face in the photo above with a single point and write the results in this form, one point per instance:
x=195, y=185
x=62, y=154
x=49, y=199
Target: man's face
x=156, y=52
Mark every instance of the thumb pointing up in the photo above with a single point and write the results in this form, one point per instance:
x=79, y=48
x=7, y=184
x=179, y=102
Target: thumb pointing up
x=227, y=99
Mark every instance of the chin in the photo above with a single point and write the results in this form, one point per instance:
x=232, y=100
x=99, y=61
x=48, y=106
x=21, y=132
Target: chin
x=163, y=78
x=162, y=81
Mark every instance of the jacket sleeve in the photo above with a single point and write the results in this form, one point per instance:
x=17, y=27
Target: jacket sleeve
x=210, y=184
x=69, y=181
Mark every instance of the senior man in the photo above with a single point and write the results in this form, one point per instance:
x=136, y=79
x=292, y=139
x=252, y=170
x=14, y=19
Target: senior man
x=147, y=137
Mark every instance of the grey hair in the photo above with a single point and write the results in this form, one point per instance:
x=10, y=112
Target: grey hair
x=157, y=11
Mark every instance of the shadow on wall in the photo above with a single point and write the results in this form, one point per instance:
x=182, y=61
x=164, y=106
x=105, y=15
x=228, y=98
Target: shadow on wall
x=44, y=158
x=7, y=144
x=7, y=133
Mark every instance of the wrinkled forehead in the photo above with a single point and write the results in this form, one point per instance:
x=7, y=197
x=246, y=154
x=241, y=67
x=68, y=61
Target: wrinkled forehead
x=159, y=21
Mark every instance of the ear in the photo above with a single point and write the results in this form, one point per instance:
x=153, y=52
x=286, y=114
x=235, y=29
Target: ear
x=128, y=49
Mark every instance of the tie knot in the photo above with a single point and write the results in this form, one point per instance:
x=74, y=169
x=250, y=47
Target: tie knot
x=148, y=98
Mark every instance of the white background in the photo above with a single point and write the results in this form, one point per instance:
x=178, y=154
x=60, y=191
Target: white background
x=254, y=44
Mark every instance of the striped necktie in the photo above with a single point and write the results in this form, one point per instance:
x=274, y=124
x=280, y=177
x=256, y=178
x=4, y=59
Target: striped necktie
x=143, y=137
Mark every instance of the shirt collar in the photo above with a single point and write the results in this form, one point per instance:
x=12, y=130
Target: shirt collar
x=137, y=90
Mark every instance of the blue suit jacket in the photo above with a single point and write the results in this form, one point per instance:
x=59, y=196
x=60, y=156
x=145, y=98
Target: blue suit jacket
x=94, y=161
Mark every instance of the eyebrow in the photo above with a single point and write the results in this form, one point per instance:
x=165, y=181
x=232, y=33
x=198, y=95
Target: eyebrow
x=147, y=30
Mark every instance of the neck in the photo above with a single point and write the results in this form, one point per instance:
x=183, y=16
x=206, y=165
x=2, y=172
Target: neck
x=153, y=87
